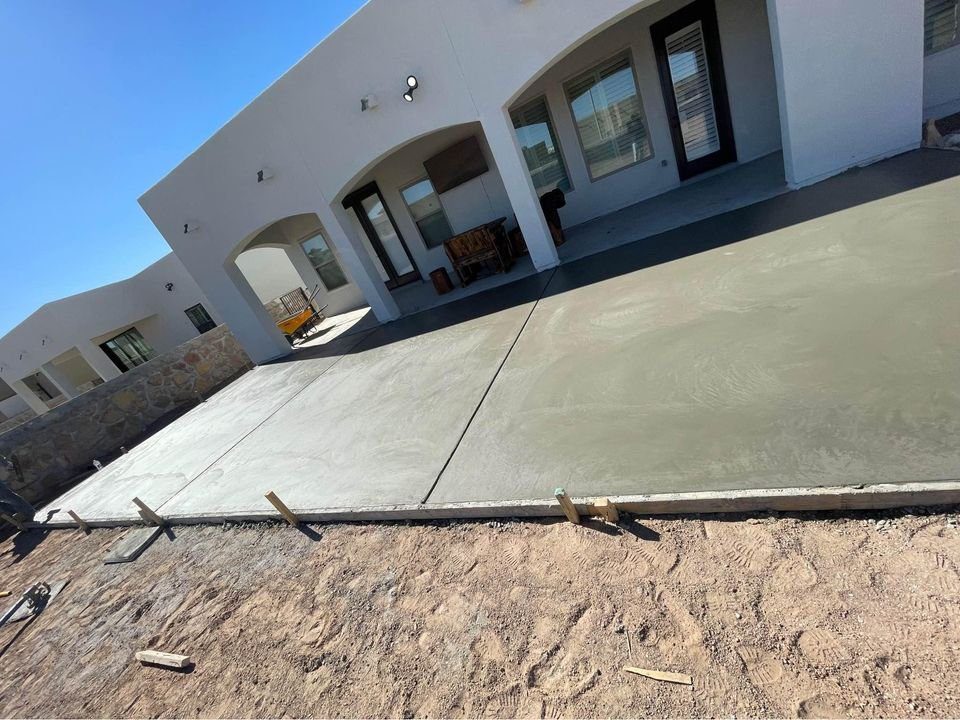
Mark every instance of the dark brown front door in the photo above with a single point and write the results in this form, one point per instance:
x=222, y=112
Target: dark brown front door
x=687, y=46
x=387, y=242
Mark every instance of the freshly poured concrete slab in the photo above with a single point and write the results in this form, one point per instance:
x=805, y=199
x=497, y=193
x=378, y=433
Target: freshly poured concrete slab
x=165, y=463
x=822, y=349
x=379, y=426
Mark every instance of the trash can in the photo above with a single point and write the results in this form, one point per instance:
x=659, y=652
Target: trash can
x=441, y=281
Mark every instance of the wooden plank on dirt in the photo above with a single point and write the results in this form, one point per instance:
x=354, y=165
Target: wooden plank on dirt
x=569, y=509
x=154, y=657
x=132, y=545
x=672, y=677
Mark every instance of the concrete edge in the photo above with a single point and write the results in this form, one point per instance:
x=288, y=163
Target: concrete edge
x=870, y=497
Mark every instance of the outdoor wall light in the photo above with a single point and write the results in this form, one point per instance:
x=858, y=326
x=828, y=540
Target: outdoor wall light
x=412, y=85
x=264, y=174
x=169, y=287
x=190, y=227
x=368, y=102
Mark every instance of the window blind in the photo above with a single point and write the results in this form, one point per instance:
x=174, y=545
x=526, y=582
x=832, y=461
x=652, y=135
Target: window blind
x=940, y=24
x=691, y=88
x=609, y=114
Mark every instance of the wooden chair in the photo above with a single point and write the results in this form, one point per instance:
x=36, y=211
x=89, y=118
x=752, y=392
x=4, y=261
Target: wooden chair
x=485, y=243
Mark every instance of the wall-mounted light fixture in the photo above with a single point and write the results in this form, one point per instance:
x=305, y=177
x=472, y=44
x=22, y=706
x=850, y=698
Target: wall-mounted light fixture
x=169, y=287
x=412, y=85
x=264, y=174
x=368, y=102
x=190, y=227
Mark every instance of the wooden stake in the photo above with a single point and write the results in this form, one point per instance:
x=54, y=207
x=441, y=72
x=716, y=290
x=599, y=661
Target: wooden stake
x=607, y=510
x=569, y=509
x=148, y=513
x=673, y=677
x=282, y=509
x=80, y=522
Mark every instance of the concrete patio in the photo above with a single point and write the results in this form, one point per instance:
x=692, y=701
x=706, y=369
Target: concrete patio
x=811, y=339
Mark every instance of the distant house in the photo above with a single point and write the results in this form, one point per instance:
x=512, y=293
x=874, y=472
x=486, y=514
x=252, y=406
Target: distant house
x=77, y=342
x=614, y=102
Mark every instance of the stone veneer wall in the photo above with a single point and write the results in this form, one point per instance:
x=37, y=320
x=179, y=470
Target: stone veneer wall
x=54, y=448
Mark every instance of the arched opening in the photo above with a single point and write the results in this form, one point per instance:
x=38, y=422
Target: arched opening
x=667, y=116
x=296, y=274
x=415, y=208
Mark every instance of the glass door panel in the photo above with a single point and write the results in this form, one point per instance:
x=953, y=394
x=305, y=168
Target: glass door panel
x=387, y=235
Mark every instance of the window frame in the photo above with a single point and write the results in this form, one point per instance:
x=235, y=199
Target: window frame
x=406, y=205
x=952, y=44
x=326, y=241
x=554, y=134
x=117, y=359
x=212, y=323
x=594, y=67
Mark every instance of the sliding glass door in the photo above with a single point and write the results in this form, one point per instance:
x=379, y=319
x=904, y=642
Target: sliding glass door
x=381, y=230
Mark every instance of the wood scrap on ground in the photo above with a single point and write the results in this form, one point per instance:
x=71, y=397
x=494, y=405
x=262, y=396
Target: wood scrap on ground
x=154, y=657
x=663, y=675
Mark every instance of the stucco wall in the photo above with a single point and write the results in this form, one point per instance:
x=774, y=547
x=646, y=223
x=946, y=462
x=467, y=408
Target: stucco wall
x=13, y=406
x=850, y=91
x=269, y=272
x=748, y=67
x=55, y=447
x=941, y=83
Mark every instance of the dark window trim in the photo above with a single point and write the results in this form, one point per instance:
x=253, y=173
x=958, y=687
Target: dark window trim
x=353, y=202
x=705, y=12
x=205, y=327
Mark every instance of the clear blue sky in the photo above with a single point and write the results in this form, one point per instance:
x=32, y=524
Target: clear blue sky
x=101, y=98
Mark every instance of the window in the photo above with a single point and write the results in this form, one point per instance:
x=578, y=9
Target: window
x=424, y=205
x=940, y=24
x=200, y=318
x=540, y=149
x=128, y=349
x=609, y=116
x=324, y=262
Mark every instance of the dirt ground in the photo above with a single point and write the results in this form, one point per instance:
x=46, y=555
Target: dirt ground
x=774, y=615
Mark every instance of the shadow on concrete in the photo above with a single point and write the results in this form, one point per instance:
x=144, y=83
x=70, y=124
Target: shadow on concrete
x=854, y=187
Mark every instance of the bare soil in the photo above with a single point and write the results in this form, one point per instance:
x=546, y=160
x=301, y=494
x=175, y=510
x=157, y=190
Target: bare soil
x=775, y=615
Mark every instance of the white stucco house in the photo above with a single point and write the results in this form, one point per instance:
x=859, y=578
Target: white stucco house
x=72, y=344
x=418, y=119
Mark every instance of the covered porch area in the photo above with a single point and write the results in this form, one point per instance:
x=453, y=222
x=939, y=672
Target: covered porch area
x=724, y=190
